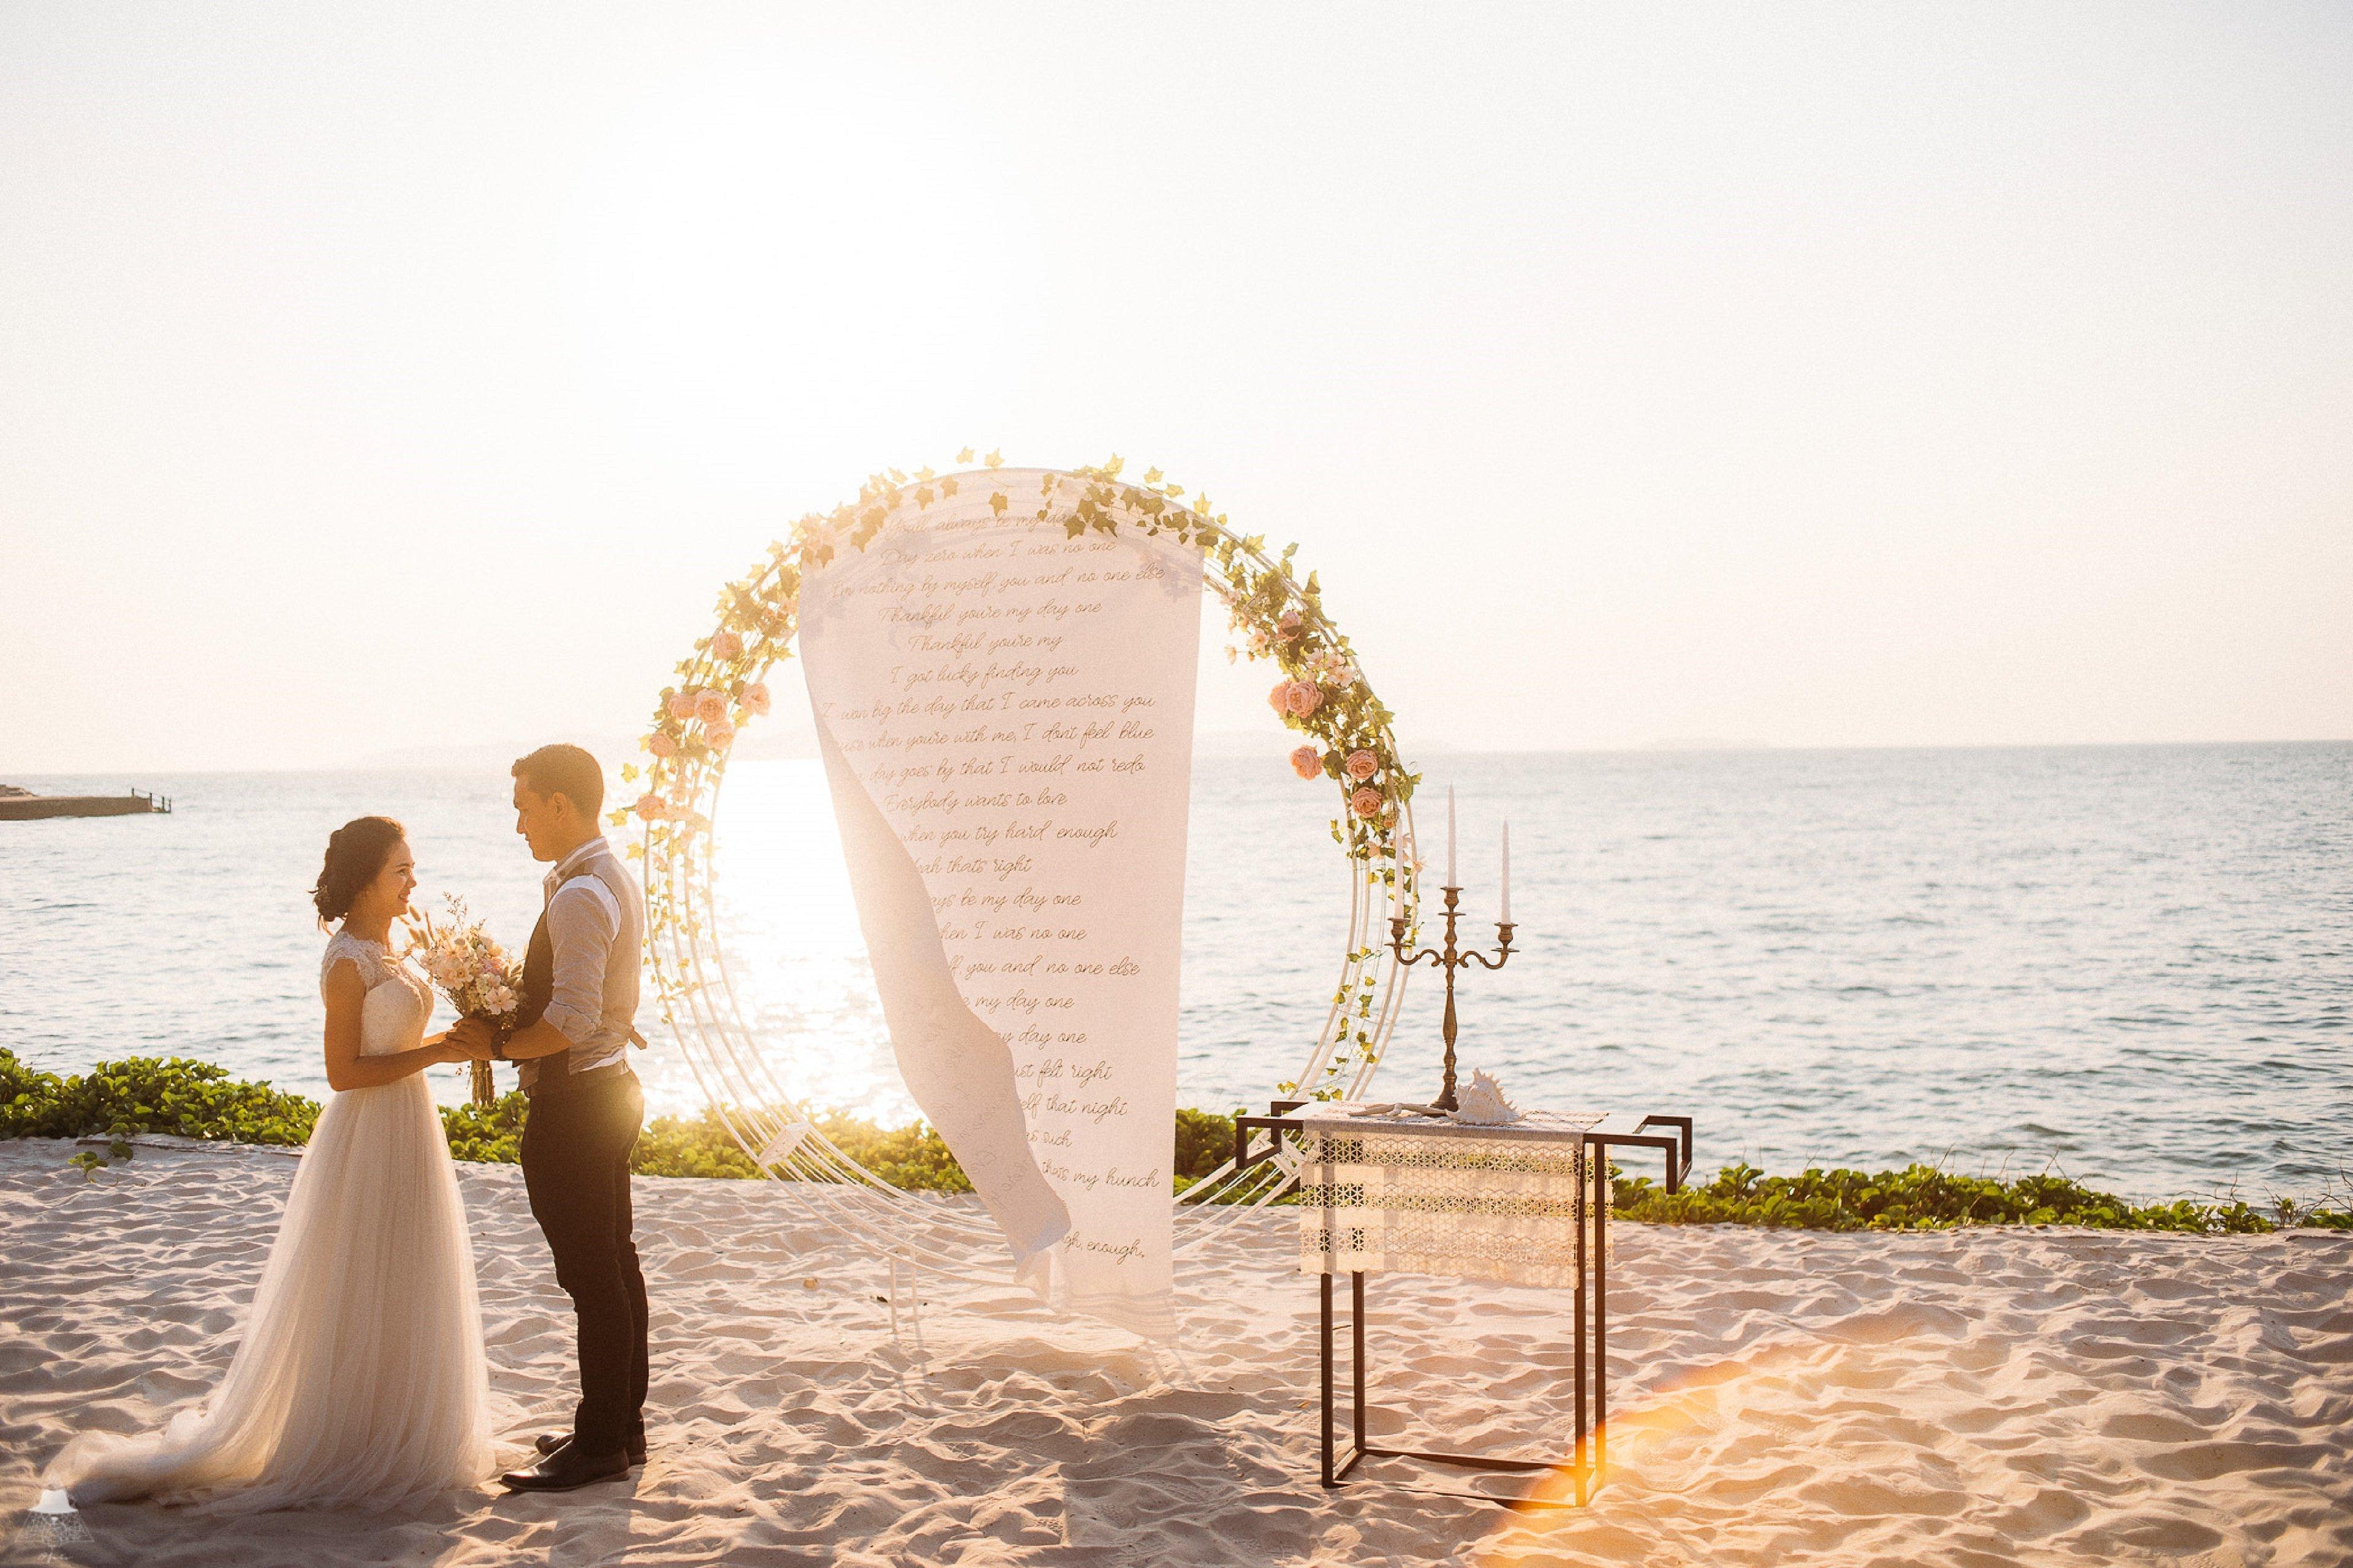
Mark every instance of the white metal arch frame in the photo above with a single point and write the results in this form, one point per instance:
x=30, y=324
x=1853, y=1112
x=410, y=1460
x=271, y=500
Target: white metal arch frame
x=720, y=688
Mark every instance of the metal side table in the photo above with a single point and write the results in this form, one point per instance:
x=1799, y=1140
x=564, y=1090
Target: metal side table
x=1422, y=1193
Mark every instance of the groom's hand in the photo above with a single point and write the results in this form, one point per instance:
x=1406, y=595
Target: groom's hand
x=475, y=1038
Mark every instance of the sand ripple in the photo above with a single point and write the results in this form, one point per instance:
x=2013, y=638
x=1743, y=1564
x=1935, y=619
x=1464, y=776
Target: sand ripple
x=1986, y=1397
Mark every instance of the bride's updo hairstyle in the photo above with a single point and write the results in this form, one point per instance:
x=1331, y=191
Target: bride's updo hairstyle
x=355, y=852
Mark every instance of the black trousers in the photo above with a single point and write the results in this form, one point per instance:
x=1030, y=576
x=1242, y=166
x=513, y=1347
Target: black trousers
x=576, y=1166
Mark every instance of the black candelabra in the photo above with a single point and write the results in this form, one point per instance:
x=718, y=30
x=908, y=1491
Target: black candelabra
x=1449, y=959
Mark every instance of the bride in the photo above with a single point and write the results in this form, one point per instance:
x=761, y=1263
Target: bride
x=361, y=1380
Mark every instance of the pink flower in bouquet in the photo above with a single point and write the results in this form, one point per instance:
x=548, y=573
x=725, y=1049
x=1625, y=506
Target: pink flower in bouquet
x=710, y=707
x=661, y=744
x=1305, y=763
x=720, y=735
x=726, y=645
x=649, y=807
x=1362, y=765
x=755, y=698
x=465, y=964
x=1366, y=802
x=1280, y=698
x=1304, y=698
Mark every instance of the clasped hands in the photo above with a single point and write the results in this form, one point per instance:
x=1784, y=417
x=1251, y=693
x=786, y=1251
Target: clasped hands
x=471, y=1040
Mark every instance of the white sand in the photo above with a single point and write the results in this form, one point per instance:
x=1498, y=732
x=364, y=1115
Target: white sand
x=1979, y=1397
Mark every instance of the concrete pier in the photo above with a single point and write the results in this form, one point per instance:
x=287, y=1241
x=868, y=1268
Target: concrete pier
x=19, y=805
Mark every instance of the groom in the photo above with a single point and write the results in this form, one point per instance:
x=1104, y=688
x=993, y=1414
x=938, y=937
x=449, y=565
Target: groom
x=572, y=1040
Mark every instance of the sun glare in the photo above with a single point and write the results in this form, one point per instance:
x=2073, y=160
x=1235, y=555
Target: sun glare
x=783, y=259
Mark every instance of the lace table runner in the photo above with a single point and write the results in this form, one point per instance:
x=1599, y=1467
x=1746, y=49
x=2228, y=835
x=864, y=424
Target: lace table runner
x=1381, y=1188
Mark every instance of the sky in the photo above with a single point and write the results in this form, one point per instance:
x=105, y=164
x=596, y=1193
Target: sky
x=381, y=379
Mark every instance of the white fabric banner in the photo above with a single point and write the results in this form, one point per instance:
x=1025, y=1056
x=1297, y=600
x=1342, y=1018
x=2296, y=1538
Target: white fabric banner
x=1005, y=714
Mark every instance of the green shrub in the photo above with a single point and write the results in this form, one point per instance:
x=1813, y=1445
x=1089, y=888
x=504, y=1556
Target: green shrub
x=177, y=1095
x=487, y=1135
x=690, y=1146
x=1205, y=1140
x=198, y=1100
x=28, y=1100
x=914, y=1157
x=1920, y=1197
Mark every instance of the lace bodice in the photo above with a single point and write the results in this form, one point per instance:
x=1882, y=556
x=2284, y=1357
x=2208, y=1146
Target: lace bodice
x=398, y=999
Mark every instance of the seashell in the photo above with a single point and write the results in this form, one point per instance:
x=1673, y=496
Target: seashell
x=1482, y=1103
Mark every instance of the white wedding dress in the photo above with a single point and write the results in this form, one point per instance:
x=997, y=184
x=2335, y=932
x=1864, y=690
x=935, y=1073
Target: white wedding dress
x=361, y=1380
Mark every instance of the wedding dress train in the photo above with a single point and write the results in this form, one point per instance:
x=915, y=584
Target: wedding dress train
x=361, y=1380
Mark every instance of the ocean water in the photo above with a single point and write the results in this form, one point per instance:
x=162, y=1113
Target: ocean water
x=2131, y=964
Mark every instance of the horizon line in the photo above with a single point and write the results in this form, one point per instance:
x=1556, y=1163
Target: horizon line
x=1647, y=749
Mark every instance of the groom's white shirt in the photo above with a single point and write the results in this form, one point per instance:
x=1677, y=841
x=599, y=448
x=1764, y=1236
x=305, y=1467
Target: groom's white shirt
x=593, y=939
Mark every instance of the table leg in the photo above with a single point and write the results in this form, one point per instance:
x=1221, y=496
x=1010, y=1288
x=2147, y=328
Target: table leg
x=1357, y=1319
x=1325, y=1281
x=1579, y=1309
x=1601, y=1319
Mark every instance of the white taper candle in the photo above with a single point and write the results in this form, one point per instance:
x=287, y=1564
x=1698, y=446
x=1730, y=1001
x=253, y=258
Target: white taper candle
x=1506, y=918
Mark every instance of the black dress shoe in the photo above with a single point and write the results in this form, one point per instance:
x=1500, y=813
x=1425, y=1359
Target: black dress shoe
x=548, y=1442
x=566, y=1468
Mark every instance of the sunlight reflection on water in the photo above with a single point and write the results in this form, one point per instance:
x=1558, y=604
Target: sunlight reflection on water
x=2133, y=964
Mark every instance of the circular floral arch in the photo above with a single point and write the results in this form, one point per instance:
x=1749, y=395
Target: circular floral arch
x=720, y=688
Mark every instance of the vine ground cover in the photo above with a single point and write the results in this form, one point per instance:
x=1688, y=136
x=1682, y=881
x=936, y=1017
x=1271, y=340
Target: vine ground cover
x=191, y=1099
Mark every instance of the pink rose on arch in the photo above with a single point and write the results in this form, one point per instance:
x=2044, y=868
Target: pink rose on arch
x=649, y=807
x=720, y=735
x=661, y=744
x=755, y=698
x=1366, y=802
x=1305, y=763
x=1288, y=624
x=1362, y=765
x=1304, y=698
x=726, y=645
x=710, y=707
x=1280, y=698
x=681, y=704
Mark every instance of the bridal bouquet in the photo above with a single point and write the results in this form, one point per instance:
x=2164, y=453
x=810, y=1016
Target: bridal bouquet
x=477, y=976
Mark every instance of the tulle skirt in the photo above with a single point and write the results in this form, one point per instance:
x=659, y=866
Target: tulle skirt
x=361, y=1380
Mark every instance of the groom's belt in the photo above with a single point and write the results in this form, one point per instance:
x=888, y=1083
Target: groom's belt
x=558, y=1085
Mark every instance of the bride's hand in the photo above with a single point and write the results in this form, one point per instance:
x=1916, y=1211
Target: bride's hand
x=444, y=1049
x=474, y=1038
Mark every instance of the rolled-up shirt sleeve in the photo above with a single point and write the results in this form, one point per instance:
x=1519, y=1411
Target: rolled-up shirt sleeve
x=581, y=929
